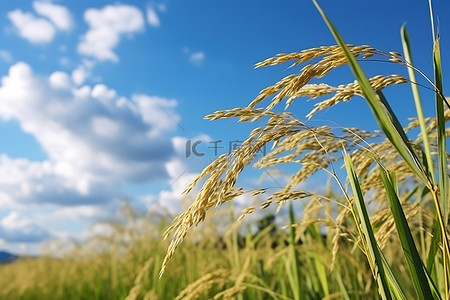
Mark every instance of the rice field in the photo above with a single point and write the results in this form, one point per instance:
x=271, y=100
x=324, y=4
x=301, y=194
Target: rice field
x=381, y=234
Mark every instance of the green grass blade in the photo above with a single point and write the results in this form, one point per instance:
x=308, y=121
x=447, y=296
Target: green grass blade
x=395, y=288
x=413, y=259
x=295, y=262
x=373, y=252
x=417, y=100
x=441, y=203
x=434, y=247
x=442, y=151
x=395, y=122
x=384, y=119
x=432, y=284
x=344, y=292
x=317, y=262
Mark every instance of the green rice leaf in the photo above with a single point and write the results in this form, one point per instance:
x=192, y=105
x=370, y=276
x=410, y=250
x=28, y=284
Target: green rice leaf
x=442, y=151
x=434, y=247
x=441, y=197
x=294, y=277
x=413, y=259
x=394, y=286
x=383, y=115
x=417, y=100
x=373, y=251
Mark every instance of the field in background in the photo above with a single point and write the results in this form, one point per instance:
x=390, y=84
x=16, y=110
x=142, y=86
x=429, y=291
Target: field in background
x=212, y=263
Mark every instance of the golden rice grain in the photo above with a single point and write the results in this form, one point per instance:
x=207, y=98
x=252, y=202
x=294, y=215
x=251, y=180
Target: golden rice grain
x=348, y=91
x=311, y=148
x=204, y=284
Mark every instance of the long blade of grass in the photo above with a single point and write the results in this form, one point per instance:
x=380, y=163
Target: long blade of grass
x=344, y=293
x=442, y=160
x=385, y=120
x=442, y=151
x=417, y=100
x=413, y=259
x=295, y=262
x=395, y=288
x=432, y=284
x=396, y=124
x=316, y=260
x=442, y=215
x=373, y=252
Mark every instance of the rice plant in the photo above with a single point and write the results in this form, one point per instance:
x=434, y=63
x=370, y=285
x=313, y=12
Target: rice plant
x=399, y=183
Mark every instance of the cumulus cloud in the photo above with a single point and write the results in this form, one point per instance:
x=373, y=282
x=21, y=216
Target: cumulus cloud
x=106, y=27
x=60, y=80
x=151, y=105
x=103, y=93
x=15, y=228
x=40, y=30
x=80, y=74
x=35, y=30
x=95, y=139
x=57, y=14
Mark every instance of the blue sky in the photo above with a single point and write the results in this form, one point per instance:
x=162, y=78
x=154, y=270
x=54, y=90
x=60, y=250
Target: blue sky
x=99, y=98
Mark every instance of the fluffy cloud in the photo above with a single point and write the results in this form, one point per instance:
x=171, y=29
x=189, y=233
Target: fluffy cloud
x=106, y=26
x=41, y=30
x=80, y=74
x=57, y=14
x=35, y=30
x=95, y=140
x=15, y=228
x=28, y=182
x=60, y=80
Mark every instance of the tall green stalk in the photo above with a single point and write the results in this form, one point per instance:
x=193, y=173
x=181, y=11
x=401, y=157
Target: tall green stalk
x=417, y=100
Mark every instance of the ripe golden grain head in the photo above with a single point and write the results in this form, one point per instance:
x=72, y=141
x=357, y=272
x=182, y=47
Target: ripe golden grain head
x=312, y=148
x=204, y=284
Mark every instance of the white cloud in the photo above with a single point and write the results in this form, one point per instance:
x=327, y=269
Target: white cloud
x=41, y=30
x=151, y=106
x=105, y=127
x=106, y=26
x=60, y=80
x=57, y=14
x=80, y=74
x=17, y=228
x=35, y=30
x=103, y=93
x=152, y=17
x=95, y=140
